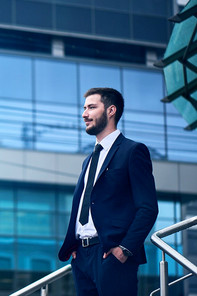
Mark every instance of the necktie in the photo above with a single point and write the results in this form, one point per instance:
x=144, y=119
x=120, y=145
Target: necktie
x=83, y=219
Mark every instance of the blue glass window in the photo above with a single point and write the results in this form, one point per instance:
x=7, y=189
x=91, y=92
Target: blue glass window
x=150, y=28
x=36, y=254
x=142, y=90
x=6, y=198
x=6, y=222
x=7, y=255
x=55, y=81
x=39, y=224
x=56, y=113
x=112, y=23
x=5, y=11
x=15, y=77
x=34, y=14
x=123, y=5
x=143, y=110
x=75, y=19
x=38, y=200
x=15, y=97
x=97, y=76
x=169, y=213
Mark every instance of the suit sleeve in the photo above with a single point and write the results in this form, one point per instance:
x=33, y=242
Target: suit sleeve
x=144, y=197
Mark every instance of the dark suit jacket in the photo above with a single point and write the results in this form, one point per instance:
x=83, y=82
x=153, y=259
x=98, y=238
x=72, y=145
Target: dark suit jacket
x=123, y=200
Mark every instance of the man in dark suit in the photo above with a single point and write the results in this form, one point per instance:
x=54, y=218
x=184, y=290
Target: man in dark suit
x=107, y=240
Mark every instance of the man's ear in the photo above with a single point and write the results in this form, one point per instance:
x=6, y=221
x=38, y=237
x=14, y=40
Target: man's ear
x=111, y=110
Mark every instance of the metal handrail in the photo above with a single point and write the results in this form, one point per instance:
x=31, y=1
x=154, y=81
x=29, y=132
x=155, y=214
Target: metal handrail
x=43, y=282
x=156, y=239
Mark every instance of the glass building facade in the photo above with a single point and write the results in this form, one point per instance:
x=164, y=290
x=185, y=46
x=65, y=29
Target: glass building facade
x=33, y=222
x=107, y=43
x=41, y=102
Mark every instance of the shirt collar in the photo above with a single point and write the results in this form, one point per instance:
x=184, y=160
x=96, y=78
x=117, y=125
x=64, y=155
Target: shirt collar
x=108, y=141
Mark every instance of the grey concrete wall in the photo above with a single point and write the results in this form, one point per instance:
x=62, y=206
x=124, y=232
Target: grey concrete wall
x=60, y=168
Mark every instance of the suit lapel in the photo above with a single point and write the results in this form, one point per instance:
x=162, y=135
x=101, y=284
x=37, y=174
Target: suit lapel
x=80, y=184
x=110, y=154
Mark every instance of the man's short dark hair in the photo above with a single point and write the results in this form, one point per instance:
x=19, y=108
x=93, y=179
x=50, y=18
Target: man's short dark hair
x=109, y=96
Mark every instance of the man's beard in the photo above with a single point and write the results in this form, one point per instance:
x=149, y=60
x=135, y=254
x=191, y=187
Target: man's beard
x=99, y=126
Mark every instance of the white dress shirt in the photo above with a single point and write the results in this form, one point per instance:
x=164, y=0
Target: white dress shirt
x=89, y=230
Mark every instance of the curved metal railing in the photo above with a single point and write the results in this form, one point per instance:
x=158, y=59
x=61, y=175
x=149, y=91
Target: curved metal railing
x=43, y=283
x=156, y=239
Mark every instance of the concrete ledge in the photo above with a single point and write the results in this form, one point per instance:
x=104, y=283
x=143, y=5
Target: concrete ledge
x=64, y=168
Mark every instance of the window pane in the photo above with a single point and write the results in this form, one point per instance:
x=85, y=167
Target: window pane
x=7, y=259
x=143, y=90
x=34, y=14
x=5, y=11
x=181, y=144
x=6, y=222
x=98, y=76
x=112, y=24
x=6, y=198
x=113, y=4
x=55, y=81
x=149, y=28
x=15, y=96
x=81, y=2
x=151, y=7
x=15, y=77
x=75, y=19
x=36, y=254
x=63, y=220
x=65, y=202
x=41, y=200
x=35, y=224
x=166, y=209
x=16, y=129
x=57, y=127
x=144, y=113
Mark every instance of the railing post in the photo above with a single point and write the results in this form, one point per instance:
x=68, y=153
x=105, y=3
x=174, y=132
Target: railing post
x=163, y=276
x=44, y=291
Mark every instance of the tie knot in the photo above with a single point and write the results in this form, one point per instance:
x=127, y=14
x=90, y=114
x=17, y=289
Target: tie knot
x=98, y=148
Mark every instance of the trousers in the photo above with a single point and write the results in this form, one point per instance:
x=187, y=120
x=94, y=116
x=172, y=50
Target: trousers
x=95, y=276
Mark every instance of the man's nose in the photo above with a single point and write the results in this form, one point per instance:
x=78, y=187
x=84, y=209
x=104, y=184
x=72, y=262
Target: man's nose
x=85, y=114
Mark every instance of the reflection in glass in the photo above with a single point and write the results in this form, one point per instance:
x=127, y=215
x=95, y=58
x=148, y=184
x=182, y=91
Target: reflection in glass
x=6, y=198
x=36, y=254
x=39, y=224
x=7, y=255
x=40, y=200
x=143, y=90
x=98, y=76
x=6, y=222
x=15, y=77
x=55, y=81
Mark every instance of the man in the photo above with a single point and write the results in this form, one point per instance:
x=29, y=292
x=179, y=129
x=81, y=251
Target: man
x=107, y=246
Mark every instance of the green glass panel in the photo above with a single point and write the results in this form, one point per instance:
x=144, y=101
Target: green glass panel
x=193, y=60
x=174, y=76
x=181, y=36
x=189, y=5
x=188, y=112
